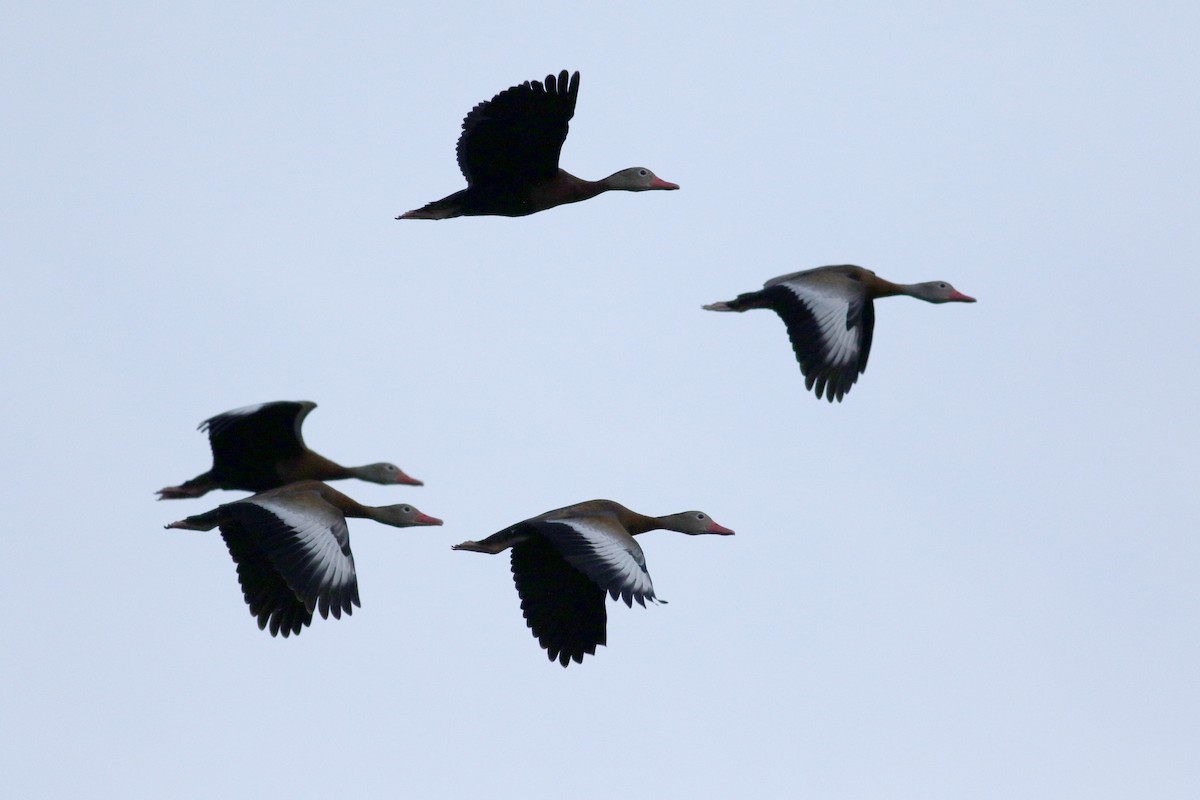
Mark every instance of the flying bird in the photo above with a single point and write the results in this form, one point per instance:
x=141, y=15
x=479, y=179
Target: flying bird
x=292, y=550
x=565, y=561
x=508, y=152
x=260, y=447
x=830, y=317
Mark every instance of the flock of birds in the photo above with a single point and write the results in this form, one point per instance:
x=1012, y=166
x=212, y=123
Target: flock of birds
x=290, y=540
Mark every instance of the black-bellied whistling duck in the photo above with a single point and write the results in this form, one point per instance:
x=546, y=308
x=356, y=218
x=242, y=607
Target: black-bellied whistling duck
x=508, y=152
x=292, y=550
x=565, y=561
x=260, y=447
x=830, y=316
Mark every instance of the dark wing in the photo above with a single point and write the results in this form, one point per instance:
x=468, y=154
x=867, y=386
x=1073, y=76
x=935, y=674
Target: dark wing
x=265, y=590
x=515, y=138
x=307, y=546
x=830, y=332
x=600, y=548
x=562, y=606
x=248, y=442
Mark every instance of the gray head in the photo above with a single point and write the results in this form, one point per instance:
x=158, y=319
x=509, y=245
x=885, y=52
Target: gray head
x=402, y=515
x=637, y=179
x=939, y=292
x=693, y=523
x=384, y=472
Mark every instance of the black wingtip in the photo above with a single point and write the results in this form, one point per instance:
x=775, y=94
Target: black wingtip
x=566, y=84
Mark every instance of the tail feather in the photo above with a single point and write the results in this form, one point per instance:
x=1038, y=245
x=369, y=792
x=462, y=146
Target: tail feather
x=445, y=208
x=199, y=522
x=472, y=546
x=743, y=302
x=177, y=493
x=196, y=487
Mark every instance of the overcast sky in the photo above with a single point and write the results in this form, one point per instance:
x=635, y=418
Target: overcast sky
x=975, y=578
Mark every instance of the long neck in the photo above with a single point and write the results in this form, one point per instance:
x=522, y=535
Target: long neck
x=637, y=523
x=370, y=512
x=313, y=466
x=362, y=473
x=567, y=189
x=878, y=287
x=347, y=505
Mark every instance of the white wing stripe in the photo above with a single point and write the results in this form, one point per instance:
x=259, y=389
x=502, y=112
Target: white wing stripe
x=830, y=310
x=322, y=555
x=611, y=557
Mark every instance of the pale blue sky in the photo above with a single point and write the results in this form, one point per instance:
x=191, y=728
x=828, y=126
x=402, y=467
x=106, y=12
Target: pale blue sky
x=975, y=578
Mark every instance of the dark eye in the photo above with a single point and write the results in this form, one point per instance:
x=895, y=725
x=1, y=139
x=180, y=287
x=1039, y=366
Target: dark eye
x=699, y=516
x=943, y=286
x=641, y=172
x=407, y=509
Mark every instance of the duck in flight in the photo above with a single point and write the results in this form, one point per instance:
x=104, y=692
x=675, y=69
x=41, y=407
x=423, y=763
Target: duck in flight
x=830, y=317
x=260, y=447
x=292, y=550
x=508, y=152
x=565, y=561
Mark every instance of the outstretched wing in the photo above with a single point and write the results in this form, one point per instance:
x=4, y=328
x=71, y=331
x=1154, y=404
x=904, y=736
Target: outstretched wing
x=270, y=599
x=830, y=331
x=599, y=548
x=516, y=137
x=293, y=559
x=562, y=606
x=308, y=542
x=248, y=442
